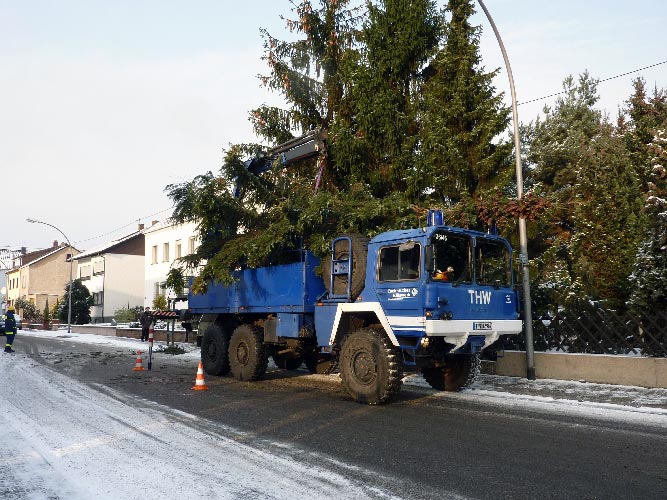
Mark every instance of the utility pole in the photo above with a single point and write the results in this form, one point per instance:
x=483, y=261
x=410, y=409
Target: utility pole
x=523, y=238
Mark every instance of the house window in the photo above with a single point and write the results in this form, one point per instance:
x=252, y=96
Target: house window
x=85, y=272
x=159, y=288
x=178, y=249
x=98, y=298
x=165, y=252
x=154, y=255
x=191, y=245
x=98, y=267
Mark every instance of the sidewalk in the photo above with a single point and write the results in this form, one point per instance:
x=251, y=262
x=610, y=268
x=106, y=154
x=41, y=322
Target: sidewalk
x=635, y=397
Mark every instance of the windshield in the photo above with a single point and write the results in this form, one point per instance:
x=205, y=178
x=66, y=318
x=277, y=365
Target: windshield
x=453, y=260
x=452, y=257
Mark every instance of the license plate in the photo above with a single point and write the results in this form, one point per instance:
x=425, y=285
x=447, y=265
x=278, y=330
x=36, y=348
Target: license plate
x=482, y=325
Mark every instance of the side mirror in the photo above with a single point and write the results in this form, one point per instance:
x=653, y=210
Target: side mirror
x=429, y=265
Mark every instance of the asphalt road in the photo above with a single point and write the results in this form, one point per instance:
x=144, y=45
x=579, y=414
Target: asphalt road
x=426, y=445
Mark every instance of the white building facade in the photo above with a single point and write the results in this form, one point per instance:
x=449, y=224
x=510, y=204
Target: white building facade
x=165, y=243
x=114, y=275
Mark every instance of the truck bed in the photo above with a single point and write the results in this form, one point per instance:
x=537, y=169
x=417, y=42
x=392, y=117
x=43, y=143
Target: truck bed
x=287, y=288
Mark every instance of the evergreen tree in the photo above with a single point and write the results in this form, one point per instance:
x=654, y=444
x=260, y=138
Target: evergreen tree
x=647, y=139
x=608, y=219
x=360, y=89
x=306, y=72
x=463, y=116
x=382, y=124
x=82, y=301
x=27, y=309
x=556, y=146
x=46, y=316
x=647, y=114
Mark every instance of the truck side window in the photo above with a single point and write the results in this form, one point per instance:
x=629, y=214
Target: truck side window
x=492, y=263
x=452, y=258
x=398, y=263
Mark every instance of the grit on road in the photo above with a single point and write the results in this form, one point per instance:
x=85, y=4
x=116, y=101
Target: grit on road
x=79, y=423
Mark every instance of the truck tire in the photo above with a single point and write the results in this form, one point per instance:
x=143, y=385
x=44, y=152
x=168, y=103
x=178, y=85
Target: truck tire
x=247, y=355
x=370, y=367
x=215, y=351
x=359, y=256
x=287, y=361
x=459, y=372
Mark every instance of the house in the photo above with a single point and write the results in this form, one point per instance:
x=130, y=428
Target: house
x=165, y=243
x=114, y=275
x=7, y=256
x=40, y=275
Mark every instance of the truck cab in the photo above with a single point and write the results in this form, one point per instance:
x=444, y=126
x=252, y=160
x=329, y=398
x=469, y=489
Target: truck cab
x=443, y=281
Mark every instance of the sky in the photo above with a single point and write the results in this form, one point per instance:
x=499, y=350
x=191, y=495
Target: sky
x=103, y=104
x=100, y=432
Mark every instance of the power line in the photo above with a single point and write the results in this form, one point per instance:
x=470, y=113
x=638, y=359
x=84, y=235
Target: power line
x=123, y=227
x=599, y=81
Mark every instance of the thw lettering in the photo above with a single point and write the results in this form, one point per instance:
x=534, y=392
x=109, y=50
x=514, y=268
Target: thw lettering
x=479, y=297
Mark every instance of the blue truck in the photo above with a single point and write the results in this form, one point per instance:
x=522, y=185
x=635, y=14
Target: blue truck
x=427, y=300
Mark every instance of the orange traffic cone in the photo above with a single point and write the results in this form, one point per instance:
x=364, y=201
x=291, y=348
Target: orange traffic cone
x=138, y=365
x=200, y=385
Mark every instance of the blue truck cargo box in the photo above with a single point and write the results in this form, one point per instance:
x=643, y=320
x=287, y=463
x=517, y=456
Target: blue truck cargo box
x=286, y=288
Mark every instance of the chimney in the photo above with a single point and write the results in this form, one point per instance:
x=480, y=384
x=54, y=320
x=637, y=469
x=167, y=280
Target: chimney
x=23, y=250
x=141, y=227
x=55, y=243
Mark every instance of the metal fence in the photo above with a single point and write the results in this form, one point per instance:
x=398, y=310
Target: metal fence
x=598, y=331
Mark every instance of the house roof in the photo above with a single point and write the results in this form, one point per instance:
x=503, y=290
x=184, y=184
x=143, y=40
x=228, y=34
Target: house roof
x=157, y=226
x=44, y=254
x=27, y=258
x=107, y=247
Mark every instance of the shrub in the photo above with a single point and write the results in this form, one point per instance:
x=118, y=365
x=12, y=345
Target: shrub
x=127, y=314
x=160, y=303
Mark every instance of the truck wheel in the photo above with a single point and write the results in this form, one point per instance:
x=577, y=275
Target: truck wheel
x=359, y=256
x=369, y=367
x=287, y=361
x=247, y=356
x=459, y=372
x=214, y=351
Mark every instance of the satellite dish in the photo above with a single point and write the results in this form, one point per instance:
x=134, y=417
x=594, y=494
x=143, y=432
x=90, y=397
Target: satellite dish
x=3, y=290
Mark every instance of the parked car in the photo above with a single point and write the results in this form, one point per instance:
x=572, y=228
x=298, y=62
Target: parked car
x=19, y=323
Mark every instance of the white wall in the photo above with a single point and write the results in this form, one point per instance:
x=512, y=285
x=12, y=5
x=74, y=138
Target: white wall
x=123, y=281
x=158, y=235
x=94, y=284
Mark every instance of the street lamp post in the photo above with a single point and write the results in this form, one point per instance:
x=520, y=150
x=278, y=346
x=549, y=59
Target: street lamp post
x=71, y=259
x=523, y=238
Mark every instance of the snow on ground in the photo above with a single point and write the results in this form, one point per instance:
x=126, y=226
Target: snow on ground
x=65, y=440
x=62, y=439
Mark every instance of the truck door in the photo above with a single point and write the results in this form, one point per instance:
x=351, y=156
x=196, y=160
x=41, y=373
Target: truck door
x=453, y=274
x=398, y=286
x=473, y=277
